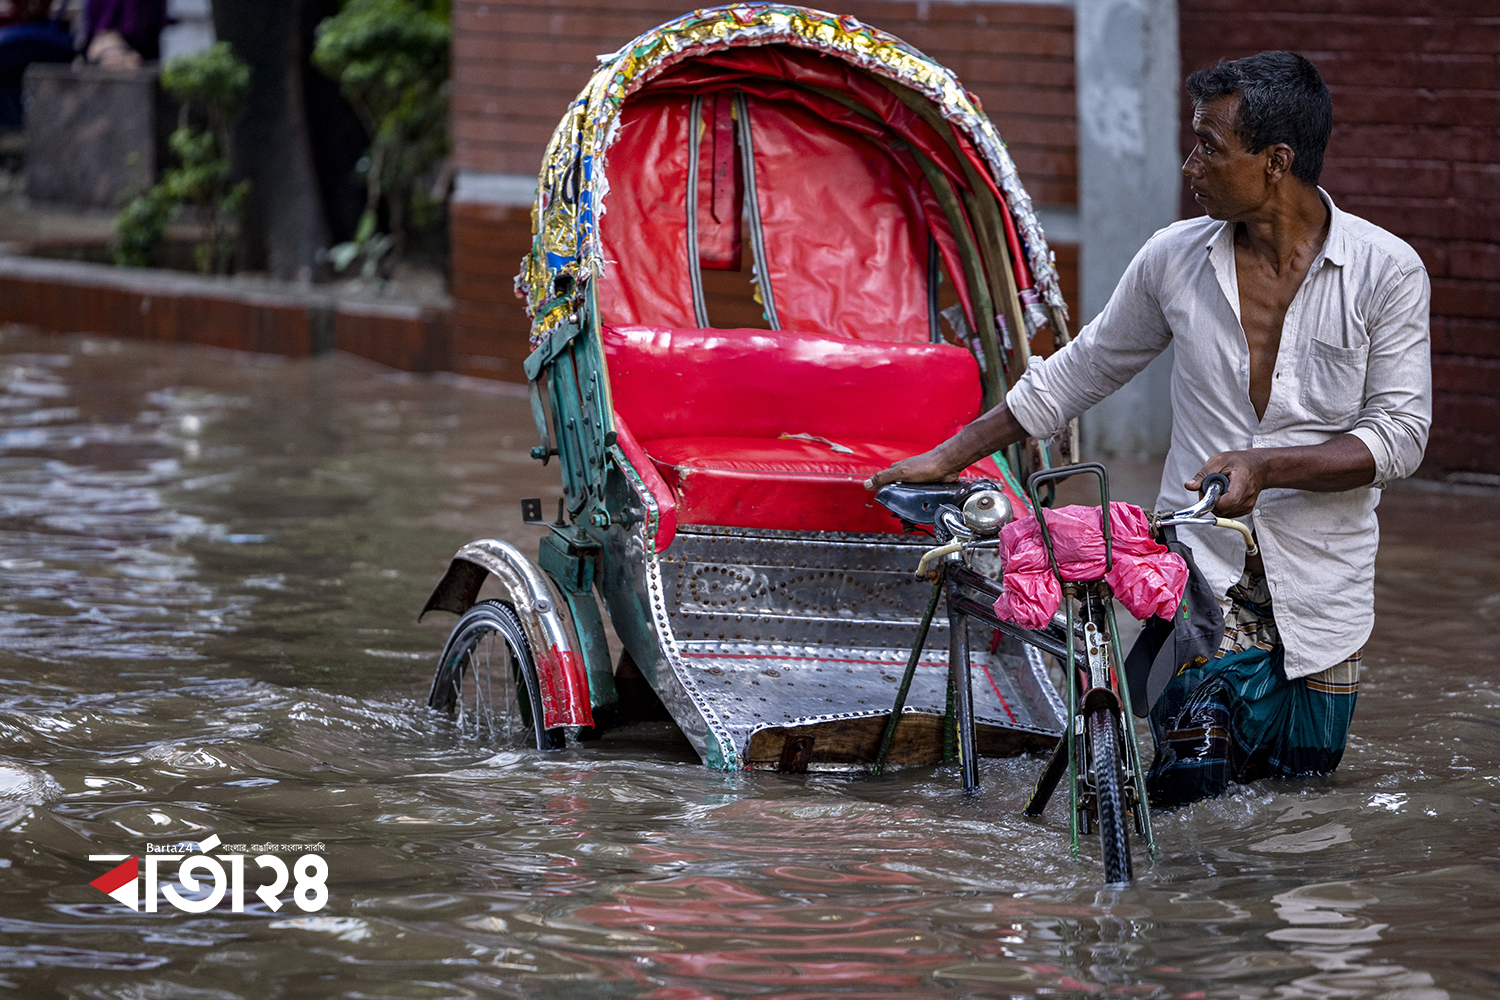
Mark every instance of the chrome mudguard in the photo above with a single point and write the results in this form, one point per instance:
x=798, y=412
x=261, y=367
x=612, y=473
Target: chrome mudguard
x=543, y=614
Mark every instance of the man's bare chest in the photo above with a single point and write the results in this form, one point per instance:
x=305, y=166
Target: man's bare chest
x=1265, y=298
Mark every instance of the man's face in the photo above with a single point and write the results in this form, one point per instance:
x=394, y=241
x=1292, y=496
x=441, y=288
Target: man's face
x=1227, y=181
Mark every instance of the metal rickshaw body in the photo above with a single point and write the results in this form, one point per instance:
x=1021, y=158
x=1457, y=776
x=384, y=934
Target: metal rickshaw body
x=713, y=476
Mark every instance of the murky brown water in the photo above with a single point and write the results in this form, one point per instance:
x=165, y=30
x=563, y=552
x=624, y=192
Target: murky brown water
x=211, y=564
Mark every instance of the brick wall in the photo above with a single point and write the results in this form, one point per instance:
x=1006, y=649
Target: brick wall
x=518, y=63
x=1415, y=149
x=491, y=334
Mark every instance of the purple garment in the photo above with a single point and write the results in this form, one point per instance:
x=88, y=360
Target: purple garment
x=140, y=21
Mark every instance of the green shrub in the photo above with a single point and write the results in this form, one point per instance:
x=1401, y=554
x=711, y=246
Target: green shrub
x=210, y=86
x=390, y=59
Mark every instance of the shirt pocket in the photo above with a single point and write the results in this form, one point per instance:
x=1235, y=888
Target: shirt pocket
x=1333, y=382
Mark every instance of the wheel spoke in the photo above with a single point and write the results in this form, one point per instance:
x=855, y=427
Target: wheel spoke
x=511, y=709
x=489, y=645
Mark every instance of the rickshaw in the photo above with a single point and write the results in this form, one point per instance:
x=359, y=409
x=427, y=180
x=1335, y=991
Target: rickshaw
x=893, y=281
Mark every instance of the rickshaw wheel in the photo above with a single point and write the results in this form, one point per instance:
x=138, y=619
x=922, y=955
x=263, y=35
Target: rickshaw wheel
x=503, y=704
x=1114, y=840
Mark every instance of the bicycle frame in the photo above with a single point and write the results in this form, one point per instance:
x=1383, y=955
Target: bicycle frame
x=1094, y=675
x=1097, y=683
x=1096, y=596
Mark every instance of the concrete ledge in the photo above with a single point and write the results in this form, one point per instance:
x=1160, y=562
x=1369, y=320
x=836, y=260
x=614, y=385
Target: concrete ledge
x=239, y=313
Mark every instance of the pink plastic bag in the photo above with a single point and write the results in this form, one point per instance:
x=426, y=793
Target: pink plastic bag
x=1146, y=578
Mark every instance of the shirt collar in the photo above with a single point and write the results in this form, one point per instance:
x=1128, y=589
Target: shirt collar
x=1220, y=248
x=1336, y=246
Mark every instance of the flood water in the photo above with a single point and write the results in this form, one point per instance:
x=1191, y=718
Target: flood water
x=210, y=568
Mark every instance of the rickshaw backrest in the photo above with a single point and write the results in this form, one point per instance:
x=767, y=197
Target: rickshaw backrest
x=761, y=384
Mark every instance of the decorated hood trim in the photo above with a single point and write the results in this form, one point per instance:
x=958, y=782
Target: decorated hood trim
x=572, y=186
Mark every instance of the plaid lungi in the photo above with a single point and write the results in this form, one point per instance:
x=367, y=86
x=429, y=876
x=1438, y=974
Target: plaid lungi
x=1237, y=717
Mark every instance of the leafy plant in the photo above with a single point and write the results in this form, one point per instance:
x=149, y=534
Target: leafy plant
x=210, y=86
x=368, y=246
x=139, y=227
x=390, y=58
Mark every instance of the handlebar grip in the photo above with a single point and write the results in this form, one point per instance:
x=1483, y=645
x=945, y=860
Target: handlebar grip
x=1211, y=480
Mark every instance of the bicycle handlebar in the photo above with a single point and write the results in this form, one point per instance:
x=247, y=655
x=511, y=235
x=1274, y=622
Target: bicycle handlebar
x=1213, y=486
x=1214, y=481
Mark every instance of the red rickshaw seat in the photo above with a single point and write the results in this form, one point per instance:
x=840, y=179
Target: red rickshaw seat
x=742, y=424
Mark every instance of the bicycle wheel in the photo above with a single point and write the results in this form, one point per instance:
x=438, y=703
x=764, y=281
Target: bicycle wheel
x=503, y=704
x=1109, y=795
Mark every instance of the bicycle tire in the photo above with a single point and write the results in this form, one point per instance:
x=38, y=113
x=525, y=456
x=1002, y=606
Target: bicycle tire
x=1109, y=795
x=504, y=705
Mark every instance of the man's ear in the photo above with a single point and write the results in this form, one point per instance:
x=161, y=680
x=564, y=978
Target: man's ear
x=1278, y=162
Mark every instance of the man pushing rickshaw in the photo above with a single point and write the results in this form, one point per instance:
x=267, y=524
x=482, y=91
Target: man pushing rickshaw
x=1301, y=374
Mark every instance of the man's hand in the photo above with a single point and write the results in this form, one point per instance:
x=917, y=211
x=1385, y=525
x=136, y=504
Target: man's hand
x=985, y=436
x=1245, y=470
x=928, y=467
x=1341, y=463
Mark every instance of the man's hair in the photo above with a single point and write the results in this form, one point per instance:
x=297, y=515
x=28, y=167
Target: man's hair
x=1282, y=99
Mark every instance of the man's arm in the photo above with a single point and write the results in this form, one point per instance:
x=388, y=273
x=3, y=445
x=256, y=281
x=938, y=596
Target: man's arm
x=985, y=436
x=1341, y=463
x=1397, y=413
x=1106, y=354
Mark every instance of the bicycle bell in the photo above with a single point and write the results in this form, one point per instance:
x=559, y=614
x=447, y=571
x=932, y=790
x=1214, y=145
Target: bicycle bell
x=986, y=512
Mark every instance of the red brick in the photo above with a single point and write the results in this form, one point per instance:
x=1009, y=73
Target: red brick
x=1044, y=161
x=511, y=129
x=1475, y=338
x=1462, y=143
x=1253, y=30
x=566, y=23
x=72, y=303
x=482, y=288
x=419, y=341
x=960, y=16
x=462, y=212
x=1451, y=450
x=1434, y=254
x=514, y=68
x=1398, y=178
x=1034, y=43
x=1479, y=414
x=1478, y=181
x=492, y=341
x=1055, y=133
x=979, y=72
x=1438, y=71
x=1474, y=260
x=518, y=65
x=885, y=15
x=1451, y=107
x=1416, y=217
x=1474, y=299
x=1465, y=375
x=1048, y=192
x=497, y=266
x=506, y=318
x=1051, y=102
x=1397, y=8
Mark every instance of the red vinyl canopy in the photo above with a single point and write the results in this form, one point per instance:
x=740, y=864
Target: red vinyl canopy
x=845, y=208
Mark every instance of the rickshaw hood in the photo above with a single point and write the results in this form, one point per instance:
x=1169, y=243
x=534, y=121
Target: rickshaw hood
x=566, y=246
